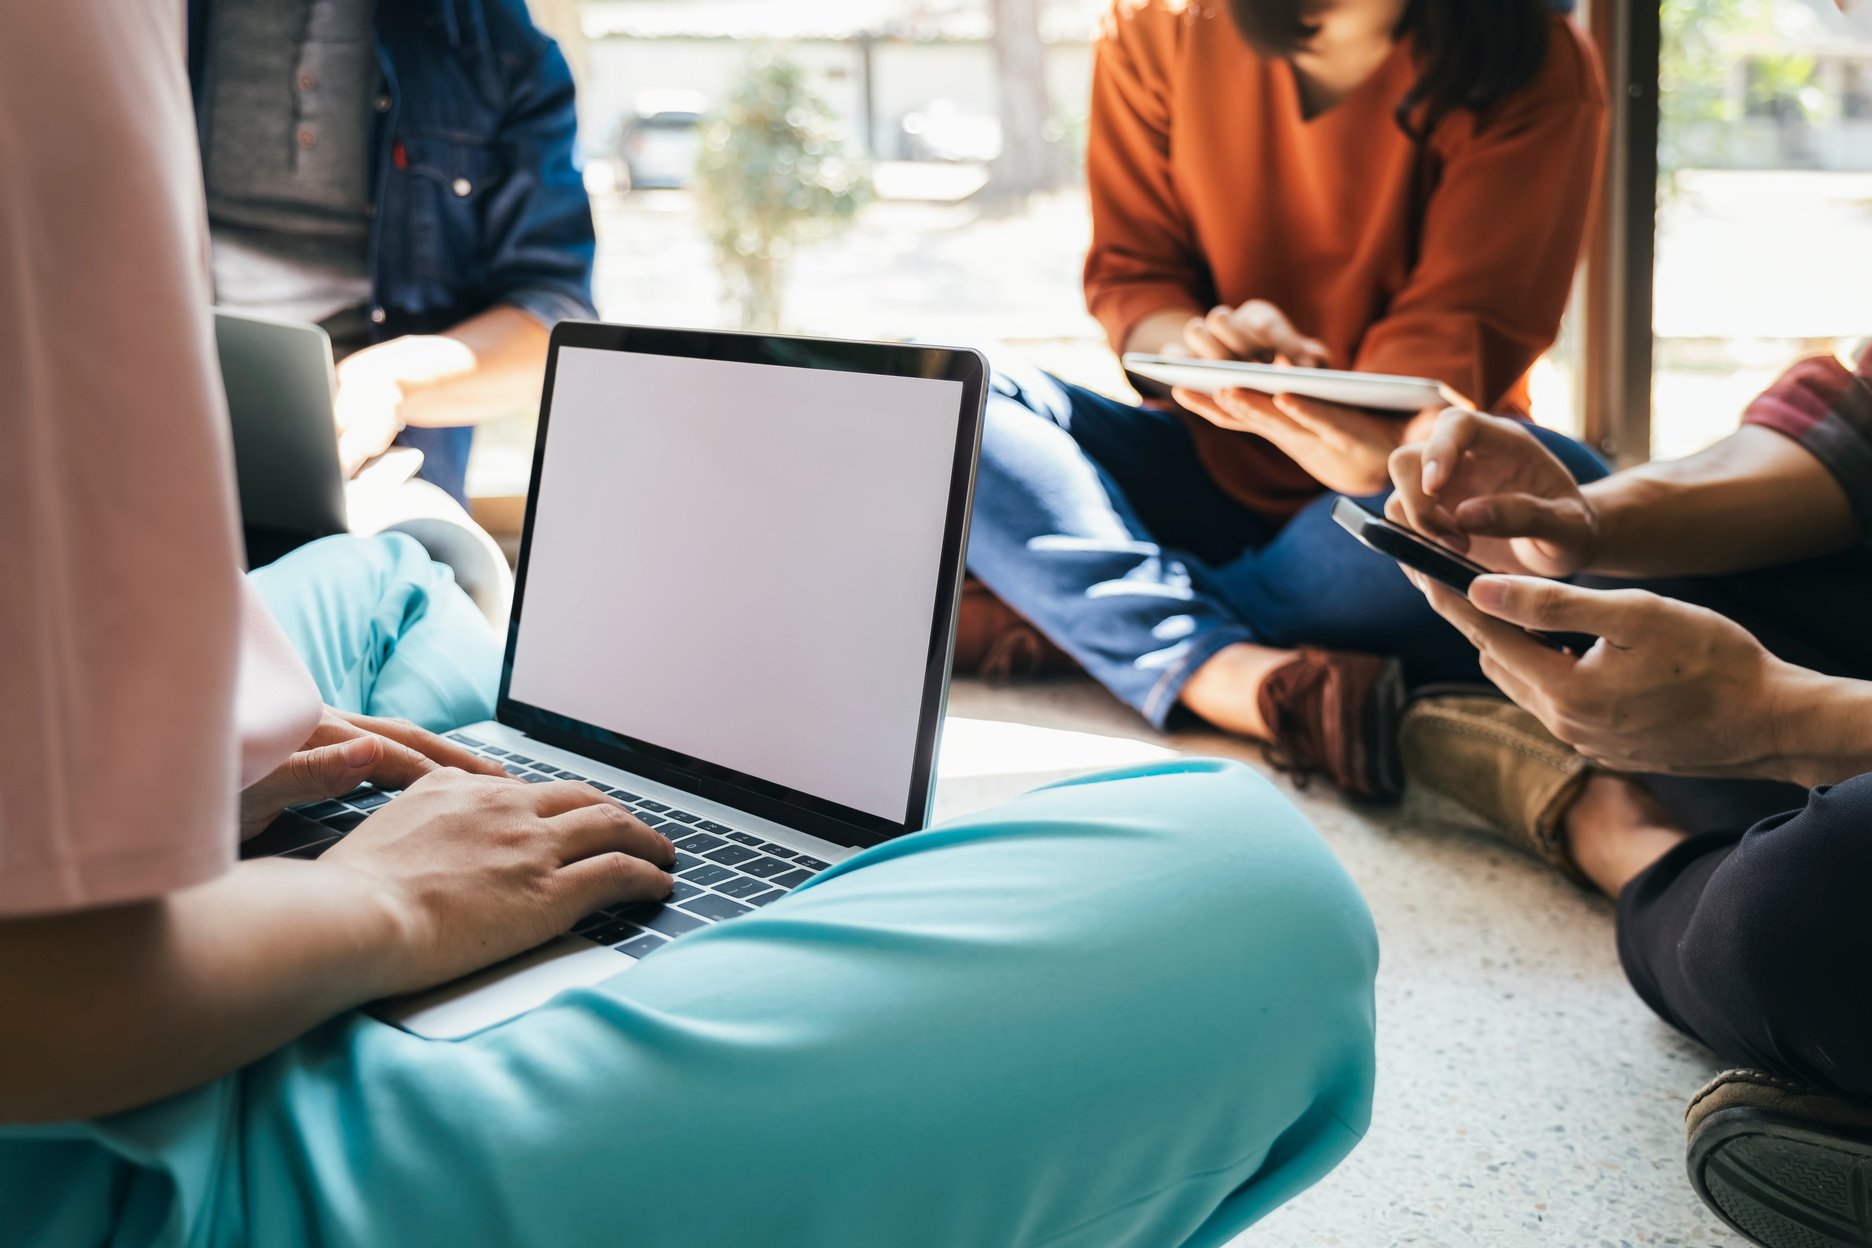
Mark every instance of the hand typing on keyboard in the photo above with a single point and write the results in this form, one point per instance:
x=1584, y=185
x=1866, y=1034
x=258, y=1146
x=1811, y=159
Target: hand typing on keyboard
x=473, y=869
x=345, y=751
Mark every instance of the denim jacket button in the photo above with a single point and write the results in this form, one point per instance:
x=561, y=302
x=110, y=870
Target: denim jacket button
x=383, y=103
x=377, y=316
x=462, y=187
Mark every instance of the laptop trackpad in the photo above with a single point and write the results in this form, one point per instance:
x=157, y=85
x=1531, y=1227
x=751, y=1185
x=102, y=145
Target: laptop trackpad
x=478, y=1001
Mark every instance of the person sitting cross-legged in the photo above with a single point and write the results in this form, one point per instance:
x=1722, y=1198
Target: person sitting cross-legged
x=1374, y=185
x=1733, y=612
x=1127, y=1010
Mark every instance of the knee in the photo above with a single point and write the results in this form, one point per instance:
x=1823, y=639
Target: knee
x=1778, y=925
x=1252, y=876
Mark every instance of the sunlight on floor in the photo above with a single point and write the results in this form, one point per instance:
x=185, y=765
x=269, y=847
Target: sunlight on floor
x=986, y=747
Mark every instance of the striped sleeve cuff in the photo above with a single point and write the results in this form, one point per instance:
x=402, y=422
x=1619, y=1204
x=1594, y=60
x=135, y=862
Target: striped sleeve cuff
x=1825, y=404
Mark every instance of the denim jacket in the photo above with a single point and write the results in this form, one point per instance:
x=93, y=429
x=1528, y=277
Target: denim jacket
x=479, y=197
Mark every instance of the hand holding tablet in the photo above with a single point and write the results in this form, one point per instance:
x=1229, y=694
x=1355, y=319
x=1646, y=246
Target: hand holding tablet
x=1370, y=390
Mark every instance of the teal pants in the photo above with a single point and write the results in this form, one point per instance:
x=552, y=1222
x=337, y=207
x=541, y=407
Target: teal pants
x=1130, y=1010
x=385, y=629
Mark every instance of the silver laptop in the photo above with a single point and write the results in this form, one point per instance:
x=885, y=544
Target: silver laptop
x=734, y=612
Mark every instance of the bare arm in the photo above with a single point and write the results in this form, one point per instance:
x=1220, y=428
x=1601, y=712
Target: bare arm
x=1753, y=500
x=137, y=1002
x=132, y=1003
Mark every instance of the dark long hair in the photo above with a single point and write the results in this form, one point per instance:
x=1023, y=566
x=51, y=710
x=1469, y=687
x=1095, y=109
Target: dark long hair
x=1470, y=53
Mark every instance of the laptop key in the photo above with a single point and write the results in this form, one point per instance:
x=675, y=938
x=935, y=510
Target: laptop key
x=761, y=899
x=765, y=868
x=700, y=842
x=777, y=851
x=683, y=816
x=792, y=879
x=323, y=810
x=622, y=796
x=669, y=922
x=812, y=864
x=683, y=863
x=643, y=946
x=712, y=907
x=733, y=855
x=494, y=751
x=313, y=850
x=709, y=825
x=741, y=886
x=744, y=838
x=520, y=759
x=344, y=822
x=708, y=873
x=534, y=777
x=684, y=890
x=367, y=801
x=647, y=804
x=464, y=739
x=650, y=821
x=612, y=932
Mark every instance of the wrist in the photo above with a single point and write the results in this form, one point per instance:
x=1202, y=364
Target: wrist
x=1821, y=727
x=390, y=932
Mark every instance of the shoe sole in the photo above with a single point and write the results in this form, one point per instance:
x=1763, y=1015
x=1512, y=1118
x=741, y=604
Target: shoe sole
x=1384, y=765
x=1784, y=1184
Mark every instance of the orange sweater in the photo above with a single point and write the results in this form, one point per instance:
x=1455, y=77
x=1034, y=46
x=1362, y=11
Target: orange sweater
x=1452, y=261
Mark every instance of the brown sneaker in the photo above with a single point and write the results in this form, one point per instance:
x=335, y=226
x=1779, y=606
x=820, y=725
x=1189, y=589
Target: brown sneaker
x=1785, y=1165
x=1336, y=713
x=995, y=641
x=1496, y=767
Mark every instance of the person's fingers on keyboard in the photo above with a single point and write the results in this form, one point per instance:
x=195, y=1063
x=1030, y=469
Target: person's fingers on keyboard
x=563, y=795
x=605, y=827
x=416, y=739
x=607, y=880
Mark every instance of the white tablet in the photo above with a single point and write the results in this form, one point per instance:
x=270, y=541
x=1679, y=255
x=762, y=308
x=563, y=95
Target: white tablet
x=1392, y=394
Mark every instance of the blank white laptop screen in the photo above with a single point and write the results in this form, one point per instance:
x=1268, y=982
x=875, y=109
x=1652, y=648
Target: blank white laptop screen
x=739, y=562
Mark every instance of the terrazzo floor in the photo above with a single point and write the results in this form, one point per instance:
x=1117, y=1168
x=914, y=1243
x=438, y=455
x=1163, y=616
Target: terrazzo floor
x=1525, y=1096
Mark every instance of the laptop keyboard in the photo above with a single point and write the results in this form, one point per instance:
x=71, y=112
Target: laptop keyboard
x=721, y=872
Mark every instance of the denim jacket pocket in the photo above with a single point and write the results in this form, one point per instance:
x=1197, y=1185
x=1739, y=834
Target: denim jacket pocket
x=449, y=178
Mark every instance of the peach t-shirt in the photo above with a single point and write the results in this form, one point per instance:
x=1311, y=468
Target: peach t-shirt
x=141, y=682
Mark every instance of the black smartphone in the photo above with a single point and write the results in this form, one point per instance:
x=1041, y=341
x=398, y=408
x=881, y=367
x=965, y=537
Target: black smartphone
x=1435, y=561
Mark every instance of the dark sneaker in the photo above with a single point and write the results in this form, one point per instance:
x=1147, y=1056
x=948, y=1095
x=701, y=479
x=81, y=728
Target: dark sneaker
x=1336, y=714
x=1784, y=1165
x=995, y=641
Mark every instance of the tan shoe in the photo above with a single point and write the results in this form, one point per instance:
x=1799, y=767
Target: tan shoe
x=1785, y=1165
x=1497, y=766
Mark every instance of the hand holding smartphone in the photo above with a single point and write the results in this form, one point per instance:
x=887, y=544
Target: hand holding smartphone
x=1437, y=562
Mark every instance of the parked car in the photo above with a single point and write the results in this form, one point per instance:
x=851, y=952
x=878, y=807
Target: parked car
x=658, y=145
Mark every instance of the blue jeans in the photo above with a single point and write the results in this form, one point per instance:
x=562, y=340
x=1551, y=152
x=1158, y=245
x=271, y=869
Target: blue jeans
x=1130, y=1011
x=1096, y=520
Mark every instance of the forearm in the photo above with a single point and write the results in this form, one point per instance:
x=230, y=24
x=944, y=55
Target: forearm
x=116, y=1008
x=1755, y=499
x=1822, y=729
x=489, y=366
